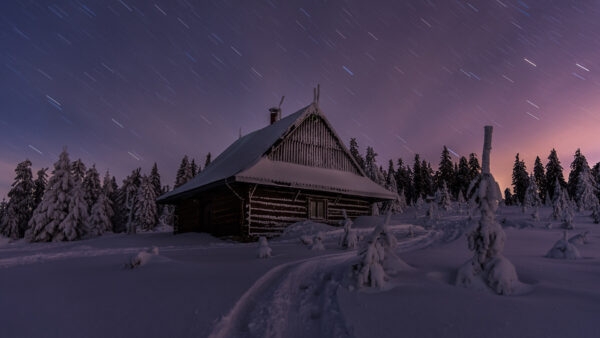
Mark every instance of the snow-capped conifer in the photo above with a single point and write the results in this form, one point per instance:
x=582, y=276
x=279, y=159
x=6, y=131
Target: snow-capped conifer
x=184, y=173
x=586, y=190
x=78, y=171
x=372, y=169
x=532, y=195
x=264, y=251
x=74, y=225
x=39, y=187
x=91, y=186
x=20, y=203
x=442, y=197
x=145, y=209
x=52, y=211
x=99, y=221
x=348, y=239
x=395, y=205
x=488, y=266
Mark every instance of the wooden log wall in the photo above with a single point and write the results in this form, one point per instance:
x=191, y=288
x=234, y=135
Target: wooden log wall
x=269, y=210
x=314, y=144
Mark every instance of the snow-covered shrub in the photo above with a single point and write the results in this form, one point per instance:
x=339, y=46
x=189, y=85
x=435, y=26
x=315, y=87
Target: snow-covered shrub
x=264, y=251
x=348, y=239
x=318, y=242
x=142, y=258
x=579, y=239
x=563, y=250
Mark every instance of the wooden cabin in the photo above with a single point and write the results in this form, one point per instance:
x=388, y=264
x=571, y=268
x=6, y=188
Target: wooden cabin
x=295, y=169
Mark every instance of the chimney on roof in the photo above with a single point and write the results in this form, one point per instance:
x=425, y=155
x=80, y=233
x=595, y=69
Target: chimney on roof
x=275, y=112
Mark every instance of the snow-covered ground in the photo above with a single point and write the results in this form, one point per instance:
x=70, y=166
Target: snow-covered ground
x=198, y=286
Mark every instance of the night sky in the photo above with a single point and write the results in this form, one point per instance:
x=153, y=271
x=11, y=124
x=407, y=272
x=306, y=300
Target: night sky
x=125, y=83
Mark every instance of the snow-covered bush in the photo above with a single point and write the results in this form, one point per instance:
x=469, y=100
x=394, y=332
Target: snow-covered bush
x=142, y=258
x=264, y=251
x=348, y=239
x=486, y=240
x=317, y=243
x=563, y=249
x=579, y=239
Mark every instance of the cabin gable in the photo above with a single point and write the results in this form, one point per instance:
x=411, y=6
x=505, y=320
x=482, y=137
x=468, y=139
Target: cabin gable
x=313, y=143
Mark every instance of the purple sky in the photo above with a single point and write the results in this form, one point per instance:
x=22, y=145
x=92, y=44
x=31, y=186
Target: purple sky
x=124, y=83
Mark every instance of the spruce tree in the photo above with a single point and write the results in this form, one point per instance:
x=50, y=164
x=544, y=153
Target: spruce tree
x=356, y=154
x=184, y=173
x=155, y=180
x=74, y=225
x=208, y=160
x=577, y=166
x=532, y=195
x=554, y=173
x=372, y=169
x=193, y=166
x=403, y=180
x=145, y=209
x=520, y=179
x=417, y=179
x=78, y=170
x=91, y=186
x=508, y=197
x=48, y=221
x=40, y=186
x=427, y=177
x=442, y=197
x=586, y=190
x=99, y=221
x=446, y=169
x=20, y=203
x=474, y=167
x=540, y=178
x=463, y=176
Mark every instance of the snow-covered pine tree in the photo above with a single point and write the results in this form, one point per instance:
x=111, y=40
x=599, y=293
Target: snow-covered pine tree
x=442, y=197
x=39, y=187
x=126, y=199
x=540, y=177
x=586, y=189
x=462, y=176
x=355, y=152
x=427, y=177
x=417, y=179
x=157, y=186
x=193, y=166
x=99, y=220
x=349, y=240
x=145, y=208
x=395, y=206
x=74, y=226
x=488, y=266
x=78, y=170
x=3, y=207
x=532, y=195
x=554, y=173
x=63, y=210
x=208, y=160
x=446, y=170
x=577, y=166
x=474, y=168
x=264, y=251
x=520, y=179
x=91, y=186
x=20, y=203
x=372, y=169
x=184, y=173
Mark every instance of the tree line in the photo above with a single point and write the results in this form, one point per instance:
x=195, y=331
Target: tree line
x=74, y=203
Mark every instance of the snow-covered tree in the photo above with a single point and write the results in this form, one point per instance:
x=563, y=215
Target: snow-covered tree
x=554, y=173
x=99, y=220
x=520, y=179
x=91, y=186
x=372, y=169
x=145, y=210
x=348, y=239
x=446, y=170
x=264, y=251
x=442, y=197
x=20, y=203
x=508, y=197
x=563, y=249
x=126, y=201
x=562, y=206
x=52, y=211
x=208, y=160
x=155, y=180
x=532, y=195
x=74, y=224
x=193, y=166
x=78, y=171
x=586, y=190
x=356, y=153
x=184, y=173
x=540, y=178
x=486, y=240
x=39, y=187
x=396, y=205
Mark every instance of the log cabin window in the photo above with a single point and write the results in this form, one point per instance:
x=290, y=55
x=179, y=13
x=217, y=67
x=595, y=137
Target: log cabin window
x=317, y=208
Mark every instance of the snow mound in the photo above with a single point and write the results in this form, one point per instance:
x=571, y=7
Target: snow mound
x=317, y=244
x=563, y=250
x=367, y=221
x=264, y=251
x=501, y=276
x=4, y=241
x=305, y=228
x=517, y=224
x=142, y=258
x=579, y=239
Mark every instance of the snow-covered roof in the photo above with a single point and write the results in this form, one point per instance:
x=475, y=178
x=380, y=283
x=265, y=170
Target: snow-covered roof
x=245, y=161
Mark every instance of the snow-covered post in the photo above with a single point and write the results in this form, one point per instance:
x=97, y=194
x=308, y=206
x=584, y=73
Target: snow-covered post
x=488, y=266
